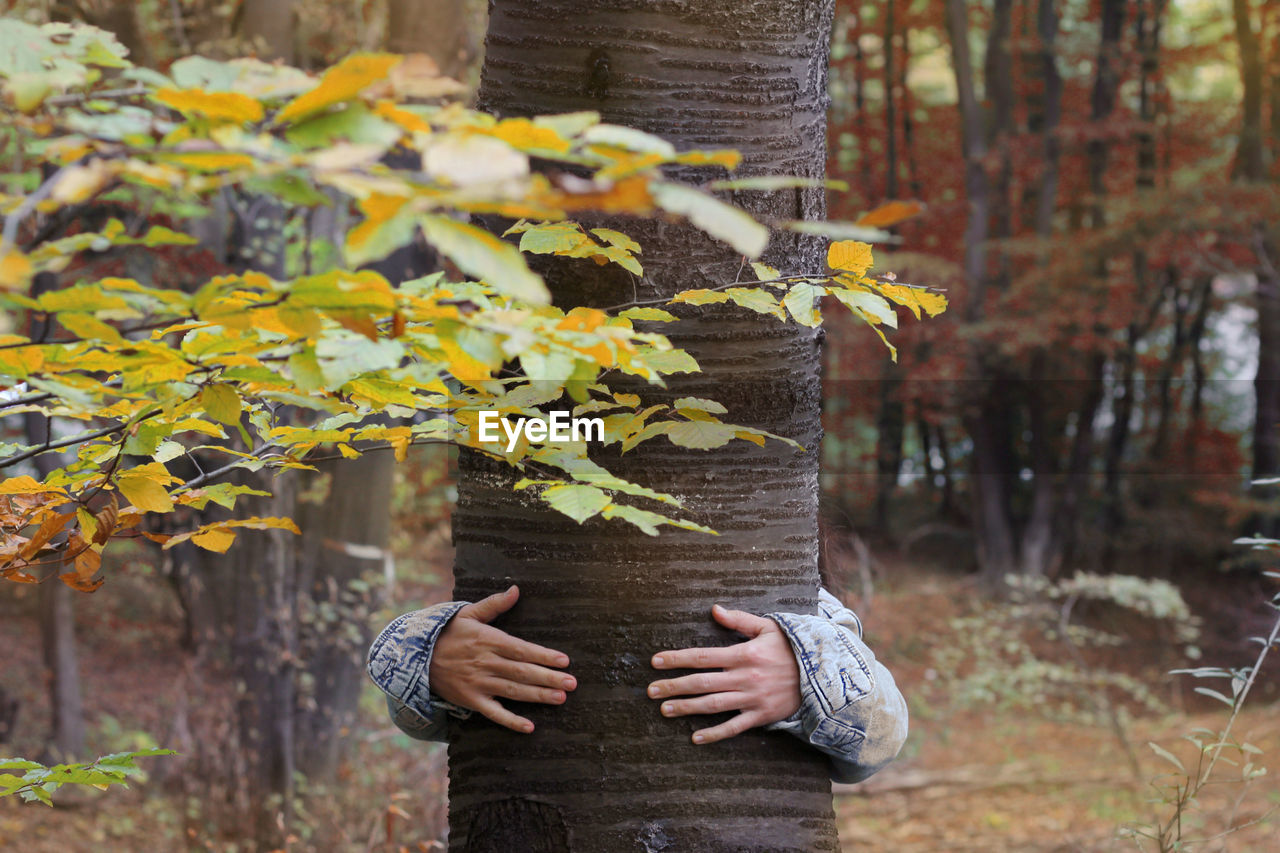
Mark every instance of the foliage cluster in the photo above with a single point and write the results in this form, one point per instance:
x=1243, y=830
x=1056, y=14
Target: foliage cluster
x=250, y=371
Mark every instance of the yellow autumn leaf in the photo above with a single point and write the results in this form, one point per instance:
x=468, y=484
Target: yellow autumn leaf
x=850, y=255
x=214, y=539
x=26, y=485
x=524, y=135
x=915, y=298
x=15, y=271
x=80, y=183
x=145, y=494
x=342, y=82
x=218, y=106
x=890, y=213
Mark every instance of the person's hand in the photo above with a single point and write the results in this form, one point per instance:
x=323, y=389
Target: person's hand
x=759, y=678
x=474, y=664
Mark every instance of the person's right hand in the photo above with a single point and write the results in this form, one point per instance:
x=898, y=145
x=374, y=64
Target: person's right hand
x=474, y=664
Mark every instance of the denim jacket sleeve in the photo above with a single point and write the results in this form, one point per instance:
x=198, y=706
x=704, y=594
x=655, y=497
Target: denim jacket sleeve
x=399, y=661
x=850, y=707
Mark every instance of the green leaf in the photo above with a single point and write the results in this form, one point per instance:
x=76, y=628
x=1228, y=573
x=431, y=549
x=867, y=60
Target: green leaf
x=720, y=220
x=648, y=521
x=802, y=301
x=672, y=361
x=755, y=299
x=480, y=254
x=629, y=138
x=221, y=403
x=655, y=314
x=840, y=231
x=577, y=502
x=1166, y=755
x=875, y=307
x=700, y=435
x=700, y=404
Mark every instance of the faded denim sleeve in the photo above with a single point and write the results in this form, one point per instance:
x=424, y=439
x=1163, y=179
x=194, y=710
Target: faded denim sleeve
x=399, y=661
x=850, y=707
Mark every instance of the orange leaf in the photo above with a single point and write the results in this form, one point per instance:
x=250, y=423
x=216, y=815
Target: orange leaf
x=890, y=213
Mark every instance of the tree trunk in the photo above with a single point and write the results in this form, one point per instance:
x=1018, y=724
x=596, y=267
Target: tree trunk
x=268, y=24
x=57, y=606
x=607, y=771
x=449, y=31
x=986, y=417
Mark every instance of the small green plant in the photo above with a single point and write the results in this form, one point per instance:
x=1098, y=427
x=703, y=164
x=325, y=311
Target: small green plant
x=38, y=782
x=1179, y=808
x=1024, y=652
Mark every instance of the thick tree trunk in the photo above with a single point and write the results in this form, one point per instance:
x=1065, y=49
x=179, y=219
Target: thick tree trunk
x=607, y=771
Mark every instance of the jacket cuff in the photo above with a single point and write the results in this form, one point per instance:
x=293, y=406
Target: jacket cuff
x=400, y=660
x=834, y=676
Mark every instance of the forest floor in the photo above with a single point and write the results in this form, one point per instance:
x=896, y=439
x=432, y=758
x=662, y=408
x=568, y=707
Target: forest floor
x=1044, y=771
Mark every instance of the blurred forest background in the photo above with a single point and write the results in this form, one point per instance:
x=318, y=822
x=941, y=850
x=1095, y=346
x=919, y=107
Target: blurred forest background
x=1099, y=190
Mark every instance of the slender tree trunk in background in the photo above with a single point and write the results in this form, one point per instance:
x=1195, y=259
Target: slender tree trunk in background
x=908, y=120
x=57, y=605
x=269, y=25
x=985, y=417
x=1103, y=98
x=344, y=554
x=606, y=772
x=890, y=103
x=1204, y=297
x=58, y=635
x=1251, y=152
x=1251, y=166
x=121, y=18
x=449, y=31
x=890, y=433
x=1051, y=513
x=891, y=422
x=860, y=106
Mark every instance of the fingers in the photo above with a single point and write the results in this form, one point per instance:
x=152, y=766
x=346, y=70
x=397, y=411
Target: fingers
x=712, y=703
x=716, y=657
x=524, y=692
x=516, y=649
x=532, y=674
x=731, y=728
x=741, y=621
x=500, y=715
x=488, y=609
x=692, y=685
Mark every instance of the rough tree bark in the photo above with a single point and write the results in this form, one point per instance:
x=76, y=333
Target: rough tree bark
x=606, y=771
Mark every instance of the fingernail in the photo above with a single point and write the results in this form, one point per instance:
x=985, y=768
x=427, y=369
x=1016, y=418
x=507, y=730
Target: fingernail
x=657, y=660
x=528, y=728
x=716, y=607
x=568, y=683
x=653, y=690
x=667, y=709
x=559, y=696
x=697, y=738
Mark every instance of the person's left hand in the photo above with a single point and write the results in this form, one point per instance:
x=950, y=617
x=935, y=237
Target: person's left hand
x=759, y=678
